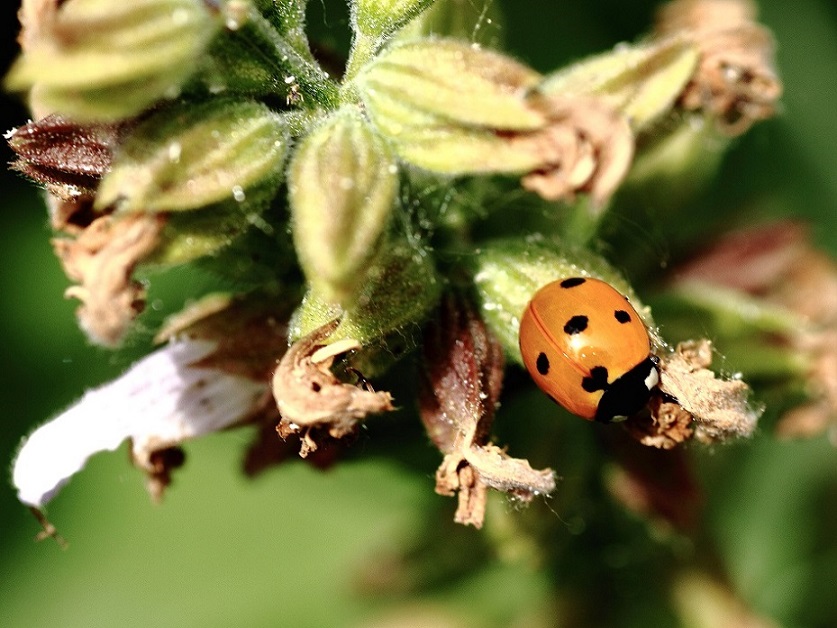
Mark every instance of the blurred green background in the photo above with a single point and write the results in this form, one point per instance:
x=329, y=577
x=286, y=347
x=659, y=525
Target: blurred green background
x=302, y=547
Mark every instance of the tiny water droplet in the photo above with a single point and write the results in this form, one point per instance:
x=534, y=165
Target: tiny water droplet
x=175, y=151
x=238, y=193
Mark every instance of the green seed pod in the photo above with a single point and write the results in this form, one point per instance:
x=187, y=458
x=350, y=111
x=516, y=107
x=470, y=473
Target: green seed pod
x=385, y=320
x=193, y=155
x=103, y=60
x=508, y=272
x=452, y=82
x=342, y=183
x=642, y=81
x=672, y=166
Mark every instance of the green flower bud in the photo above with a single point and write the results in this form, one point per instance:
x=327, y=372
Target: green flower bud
x=193, y=155
x=477, y=22
x=375, y=21
x=97, y=59
x=342, y=182
x=642, y=82
x=508, y=272
x=450, y=83
x=400, y=291
x=754, y=334
x=191, y=235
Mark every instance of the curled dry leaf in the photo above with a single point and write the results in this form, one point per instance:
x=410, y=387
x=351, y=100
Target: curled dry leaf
x=101, y=259
x=311, y=398
x=719, y=407
x=586, y=147
x=736, y=80
x=459, y=393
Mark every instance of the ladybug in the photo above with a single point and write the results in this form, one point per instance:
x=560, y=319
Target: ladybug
x=587, y=348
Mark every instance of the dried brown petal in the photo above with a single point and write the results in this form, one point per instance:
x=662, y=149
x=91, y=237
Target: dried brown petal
x=719, y=407
x=101, y=259
x=69, y=157
x=460, y=389
x=665, y=427
x=807, y=421
x=266, y=451
x=751, y=260
x=736, y=80
x=586, y=147
x=310, y=397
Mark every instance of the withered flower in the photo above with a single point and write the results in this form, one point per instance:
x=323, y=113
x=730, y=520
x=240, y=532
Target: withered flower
x=736, y=79
x=206, y=136
x=463, y=372
x=310, y=397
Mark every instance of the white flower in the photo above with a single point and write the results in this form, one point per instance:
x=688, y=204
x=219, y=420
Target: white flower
x=161, y=401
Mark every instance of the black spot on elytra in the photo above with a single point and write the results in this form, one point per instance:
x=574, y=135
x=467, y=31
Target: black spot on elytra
x=596, y=381
x=572, y=282
x=622, y=316
x=542, y=363
x=576, y=324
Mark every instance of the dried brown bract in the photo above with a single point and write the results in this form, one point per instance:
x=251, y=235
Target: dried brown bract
x=102, y=259
x=719, y=407
x=736, y=80
x=460, y=389
x=587, y=147
x=311, y=398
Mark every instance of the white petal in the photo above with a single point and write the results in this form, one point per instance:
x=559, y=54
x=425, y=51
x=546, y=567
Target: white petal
x=160, y=401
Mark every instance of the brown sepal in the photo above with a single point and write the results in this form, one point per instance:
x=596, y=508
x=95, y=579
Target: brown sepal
x=460, y=388
x=67, y=157
x=250, y=332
